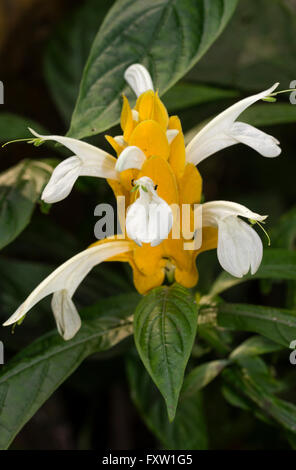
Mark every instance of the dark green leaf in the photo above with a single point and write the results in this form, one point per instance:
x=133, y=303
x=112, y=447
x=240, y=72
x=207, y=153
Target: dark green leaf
x=67, y=52
x=201, y=375
x=254, y=346
x=36, y=372
x=284, y=233
x=187, y=431
x=276, y=264
x=277, y=324
x=165, y=324
x=252, y=54
x=20, y=189
x=184, y=95
x=254, y=386
x=13, y=126
x=169, y=37
x=269, y=115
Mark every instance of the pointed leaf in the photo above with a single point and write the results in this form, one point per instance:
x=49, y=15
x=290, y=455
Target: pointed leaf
x=165, y=324
x=167, y=36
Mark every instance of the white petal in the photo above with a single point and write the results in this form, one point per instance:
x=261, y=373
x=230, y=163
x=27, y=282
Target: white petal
x=149, y=219
x=137, y=222
x=92, y=162
x=62, y=180
x=66, y=316
x=130, y=157
x=138, y=78
x=67, y=277
x=217, y=129
x=214, y=211
x=160, y=221
x=263, y=143
x=239, y=247
x=171, y=134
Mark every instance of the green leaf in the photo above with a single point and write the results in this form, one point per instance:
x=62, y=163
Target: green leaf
x=20, y=189
x=165, y=324
x=187, y=431
x=269, y=115
x=254, y=386
x=35, y=373
x=169, y=37
x=276, y=264
x=183, y=95
x=67, y=52
x=252, y=54
x=283, y=235
x=13, y=126
x=254, y=346
x=201, y=376
x=214, y=337
x=277, y=324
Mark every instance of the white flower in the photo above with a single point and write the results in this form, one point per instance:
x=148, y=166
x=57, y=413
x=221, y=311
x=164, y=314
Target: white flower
x=223, y=132
x=138, y=78
x=149, y=219
x=87, y=161
x=239, y=246
x=63, y=283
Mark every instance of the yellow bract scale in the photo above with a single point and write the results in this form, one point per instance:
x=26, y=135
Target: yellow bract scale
x=126, y=120
x=177, y=183
x=115, y=145
x=151, y=138
x=177, y=156
x=162, y=175
x=149, y=106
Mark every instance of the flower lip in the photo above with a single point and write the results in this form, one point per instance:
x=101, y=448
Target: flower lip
x=131, y=157
x=224, y=131
x=149, y=219
x=138, y=78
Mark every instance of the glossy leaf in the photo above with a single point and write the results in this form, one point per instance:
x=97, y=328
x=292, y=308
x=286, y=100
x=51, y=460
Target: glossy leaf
x=36, y=372
x=165, y=324
x=169, y=37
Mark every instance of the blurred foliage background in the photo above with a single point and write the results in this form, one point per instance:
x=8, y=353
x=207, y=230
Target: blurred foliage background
x=43, y=48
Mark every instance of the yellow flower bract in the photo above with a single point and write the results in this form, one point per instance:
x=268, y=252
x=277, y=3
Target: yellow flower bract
x=177, y=182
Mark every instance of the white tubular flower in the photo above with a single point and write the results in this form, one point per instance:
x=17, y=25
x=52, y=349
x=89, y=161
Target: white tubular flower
x=223, y=132
x=63, y=283
x=88, y=161
x=138, y=78
x=239, y=246
x=149, y=219
x=130, y=157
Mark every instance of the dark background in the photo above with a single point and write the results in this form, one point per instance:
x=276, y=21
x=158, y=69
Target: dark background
x=93, y=408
